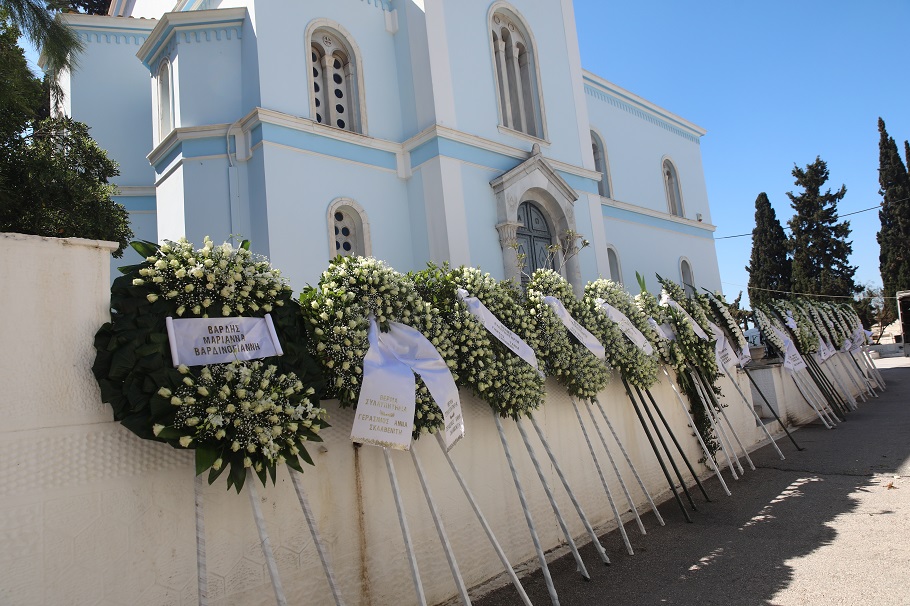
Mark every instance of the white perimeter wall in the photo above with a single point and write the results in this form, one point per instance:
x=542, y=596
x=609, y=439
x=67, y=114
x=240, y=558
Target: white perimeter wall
x=91, y=514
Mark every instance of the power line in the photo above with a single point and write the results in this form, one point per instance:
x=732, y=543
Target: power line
x=856, y=212
x=806, y=294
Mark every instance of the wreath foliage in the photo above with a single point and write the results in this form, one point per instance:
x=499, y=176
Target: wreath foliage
x=338, y=312
x=636, y=366
x=511, y=386
x=243, y=414
x=563, y=357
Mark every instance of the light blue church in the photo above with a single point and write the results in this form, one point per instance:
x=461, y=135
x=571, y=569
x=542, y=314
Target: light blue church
x=409, y=130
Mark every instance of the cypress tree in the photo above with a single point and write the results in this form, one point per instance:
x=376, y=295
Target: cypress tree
x=769, y=267
x=817, y=241
x=894, y=246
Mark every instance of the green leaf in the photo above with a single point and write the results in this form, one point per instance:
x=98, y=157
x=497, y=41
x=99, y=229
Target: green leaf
x=294, y=463
x=214, y=473
x=145, y=248
x=641, y=282
x=205, y=458
x=245, y=245
x=306, y=456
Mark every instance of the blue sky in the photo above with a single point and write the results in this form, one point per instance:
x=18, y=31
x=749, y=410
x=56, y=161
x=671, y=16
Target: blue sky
x=774, y=83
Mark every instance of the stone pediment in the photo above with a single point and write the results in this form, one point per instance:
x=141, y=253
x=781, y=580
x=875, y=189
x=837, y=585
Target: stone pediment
x=535, y=164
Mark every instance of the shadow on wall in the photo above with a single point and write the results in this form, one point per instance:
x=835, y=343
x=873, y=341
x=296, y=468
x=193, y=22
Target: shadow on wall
x=737, y=550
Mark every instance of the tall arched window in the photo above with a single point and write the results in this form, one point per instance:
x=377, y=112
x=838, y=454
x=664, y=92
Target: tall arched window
x=615, y=270
x=671, y=183
x=516, y=74
x=688, y=280
x=335, y=94
x=600, y=165
x=534, y=238
x=165, y=113
x=349, y=231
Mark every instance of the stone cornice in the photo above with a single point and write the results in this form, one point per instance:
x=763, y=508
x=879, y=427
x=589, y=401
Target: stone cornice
x=108, y=30
x=632, y=103
x=198, y=26
x=641, y=210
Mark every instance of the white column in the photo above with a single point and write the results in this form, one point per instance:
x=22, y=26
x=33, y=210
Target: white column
x=522, y=122
x=504, y=93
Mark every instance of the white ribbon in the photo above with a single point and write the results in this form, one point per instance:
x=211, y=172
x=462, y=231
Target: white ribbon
x=825, y=350
x=626, y=326
x=664, y=330
x=859, y=339
x=792, y=359
x=723, y=351
x=581, y=333
x=790, y=321
x=699, y=331
x=498, y=329
x=385, y=409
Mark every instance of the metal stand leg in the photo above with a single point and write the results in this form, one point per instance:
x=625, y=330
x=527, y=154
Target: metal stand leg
x=625, y=455
x=823, y=403
x=771, y=408
x=317, y=539
x=264, y=541
x=663, y=467
x=732, y=377
x=704, y=448
x=483, y=522
x=201, y=569
x=546, y=487
x=554, y=599
x=616, y=516
x=725, y=444
x=682, y=453
x=723, y=414
x=440, y=530
x=405, y=531
x=565, y=484
x=810, y=401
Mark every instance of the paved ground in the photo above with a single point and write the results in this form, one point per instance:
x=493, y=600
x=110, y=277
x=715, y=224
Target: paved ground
x=827, y=526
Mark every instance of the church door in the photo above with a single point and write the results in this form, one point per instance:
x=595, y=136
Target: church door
x=533, y=239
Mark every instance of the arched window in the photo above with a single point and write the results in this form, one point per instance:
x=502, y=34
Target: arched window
x=335, y=99
x=600, y=165
x=534, y=239
x=349, y=231
x=615, y=270
x=685, y=275
x=516, y=74
x=165, y=103
x=671, y=183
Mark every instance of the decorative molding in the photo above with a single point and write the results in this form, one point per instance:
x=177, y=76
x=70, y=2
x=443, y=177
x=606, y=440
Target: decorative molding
x=605, y=91
x=101, y=29
x=641, y=210
x=193, y=26
x=508, y=233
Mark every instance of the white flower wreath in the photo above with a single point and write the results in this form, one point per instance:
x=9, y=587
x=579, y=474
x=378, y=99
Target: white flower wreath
x=576, y=368
x=350, y=290
x=243, y=414
x=510, y=385
x=636, y=367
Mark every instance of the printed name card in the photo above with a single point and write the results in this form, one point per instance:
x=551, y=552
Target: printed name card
x=201, y=341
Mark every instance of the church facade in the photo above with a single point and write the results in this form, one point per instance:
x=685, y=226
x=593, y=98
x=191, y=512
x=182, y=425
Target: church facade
x=409, y=130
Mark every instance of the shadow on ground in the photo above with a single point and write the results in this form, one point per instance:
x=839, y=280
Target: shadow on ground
x=737, y=549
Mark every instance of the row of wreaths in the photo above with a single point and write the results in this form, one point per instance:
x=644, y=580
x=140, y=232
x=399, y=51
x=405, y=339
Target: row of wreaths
x=260, y=414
